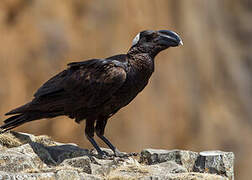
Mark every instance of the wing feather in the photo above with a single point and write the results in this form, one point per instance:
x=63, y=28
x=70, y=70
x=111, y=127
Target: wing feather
x=85, y=84
x=52, y=85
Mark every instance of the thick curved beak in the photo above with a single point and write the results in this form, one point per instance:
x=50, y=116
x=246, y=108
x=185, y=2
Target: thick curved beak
x=169, y=38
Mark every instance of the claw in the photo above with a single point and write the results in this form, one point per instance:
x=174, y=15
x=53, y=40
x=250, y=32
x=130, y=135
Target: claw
x=104, y=156
x=117, y=153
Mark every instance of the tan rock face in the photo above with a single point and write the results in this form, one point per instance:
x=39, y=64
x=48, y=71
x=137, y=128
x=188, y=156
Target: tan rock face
x=27, y=156
x=198, y=98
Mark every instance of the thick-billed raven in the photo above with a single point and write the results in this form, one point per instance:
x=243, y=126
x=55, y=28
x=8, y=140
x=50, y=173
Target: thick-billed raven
x=95, y=89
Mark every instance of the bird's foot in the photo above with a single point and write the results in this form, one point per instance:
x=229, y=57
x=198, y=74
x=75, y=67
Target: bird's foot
x=119, y=154
x=102, y=154
x=110, y=156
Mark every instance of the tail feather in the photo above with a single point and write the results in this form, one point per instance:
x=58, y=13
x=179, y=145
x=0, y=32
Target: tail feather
x=13, y=122
x=19, y=110
x=17, y=120
x=11, y=118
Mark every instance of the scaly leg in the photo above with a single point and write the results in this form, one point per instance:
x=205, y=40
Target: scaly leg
x=99, y=129
x=89, y=132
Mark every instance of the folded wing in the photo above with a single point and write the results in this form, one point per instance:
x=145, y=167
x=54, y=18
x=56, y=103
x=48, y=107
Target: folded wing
x=83, y=85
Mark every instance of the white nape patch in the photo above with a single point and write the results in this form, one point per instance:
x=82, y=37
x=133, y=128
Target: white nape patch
x=136, y=39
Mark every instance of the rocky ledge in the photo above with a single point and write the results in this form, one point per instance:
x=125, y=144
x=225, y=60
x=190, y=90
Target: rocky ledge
x=25, y=156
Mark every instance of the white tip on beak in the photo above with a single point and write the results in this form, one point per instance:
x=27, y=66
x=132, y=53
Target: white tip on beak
x=181, y=43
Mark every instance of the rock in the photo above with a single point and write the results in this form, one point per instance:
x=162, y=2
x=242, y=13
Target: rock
x=168, y=167
x=10, y=162
x=133, y=170
x=84, y=176
x=215, y=162
x=67, y=174
x=83, y=163
x=154, y=156
x=25, y=176
x=25, y=156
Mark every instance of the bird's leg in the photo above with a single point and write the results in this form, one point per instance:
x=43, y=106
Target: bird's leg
x=99, y=129
x=89, y=132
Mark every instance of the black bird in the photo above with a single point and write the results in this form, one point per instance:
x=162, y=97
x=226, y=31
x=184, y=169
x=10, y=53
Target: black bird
x=95, y=89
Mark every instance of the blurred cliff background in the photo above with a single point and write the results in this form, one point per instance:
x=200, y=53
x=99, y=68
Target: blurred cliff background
x=199, y=98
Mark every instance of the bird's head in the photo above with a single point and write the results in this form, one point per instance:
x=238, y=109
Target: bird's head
x=155, y=41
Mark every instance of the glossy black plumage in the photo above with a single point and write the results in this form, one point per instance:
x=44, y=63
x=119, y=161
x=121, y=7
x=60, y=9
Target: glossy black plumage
x=95, y=89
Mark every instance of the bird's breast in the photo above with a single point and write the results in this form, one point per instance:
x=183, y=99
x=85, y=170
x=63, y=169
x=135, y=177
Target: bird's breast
x=134, y=84
x=138, y=75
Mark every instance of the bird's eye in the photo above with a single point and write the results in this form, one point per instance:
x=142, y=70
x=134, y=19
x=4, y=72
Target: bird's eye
x=149, y=37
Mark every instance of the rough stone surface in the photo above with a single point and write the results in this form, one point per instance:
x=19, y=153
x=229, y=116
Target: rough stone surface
x=25, y=156
x=212, y=162
x=83, y=163
x=154, y=156
x=215, y=162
